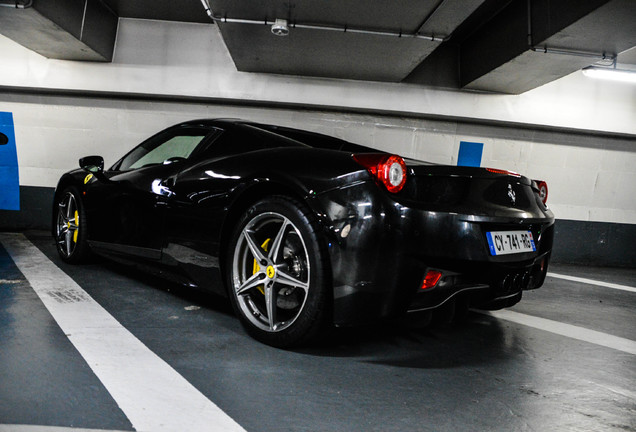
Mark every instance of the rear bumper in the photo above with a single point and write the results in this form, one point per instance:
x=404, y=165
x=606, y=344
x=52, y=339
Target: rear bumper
x=381, y=250
x=484, y=285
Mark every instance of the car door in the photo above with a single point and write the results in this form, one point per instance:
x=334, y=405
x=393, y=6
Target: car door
x=128, y=202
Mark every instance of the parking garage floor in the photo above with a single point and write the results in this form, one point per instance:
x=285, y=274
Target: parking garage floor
x=100, y=346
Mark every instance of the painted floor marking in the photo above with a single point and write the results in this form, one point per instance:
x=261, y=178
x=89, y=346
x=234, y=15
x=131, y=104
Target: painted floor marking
x=568, y=330
x=592, y=282
x=37, y=428
x=151, y=394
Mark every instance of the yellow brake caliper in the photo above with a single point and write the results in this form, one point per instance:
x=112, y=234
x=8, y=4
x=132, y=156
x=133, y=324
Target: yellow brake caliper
x=76, y=227
x=68, y=225
x=257, y=267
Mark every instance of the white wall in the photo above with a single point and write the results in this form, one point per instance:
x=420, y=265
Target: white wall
x=161, y=58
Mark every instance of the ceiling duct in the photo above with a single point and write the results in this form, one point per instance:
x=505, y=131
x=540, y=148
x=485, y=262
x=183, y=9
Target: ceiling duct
x=371, y=40
x=545, y=41
x=64, y=30
x=323, y=27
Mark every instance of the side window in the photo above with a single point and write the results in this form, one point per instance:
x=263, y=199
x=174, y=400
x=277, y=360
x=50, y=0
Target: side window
x=167, y=147
x=176, y=147
x=247, y=139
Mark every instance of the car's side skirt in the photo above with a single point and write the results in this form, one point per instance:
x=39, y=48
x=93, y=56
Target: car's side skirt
x=136, y=251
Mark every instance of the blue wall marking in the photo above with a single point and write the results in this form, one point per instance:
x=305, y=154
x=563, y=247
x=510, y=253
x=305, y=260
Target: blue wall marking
x=9, y=179
x=470, y=153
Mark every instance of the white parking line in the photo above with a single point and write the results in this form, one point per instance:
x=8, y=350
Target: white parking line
x=568, y=330
x=38, y=428
x=592, y=282
x=151, y=394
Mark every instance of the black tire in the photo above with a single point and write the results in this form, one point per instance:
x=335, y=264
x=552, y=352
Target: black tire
x=278, y=274
x=71, y=227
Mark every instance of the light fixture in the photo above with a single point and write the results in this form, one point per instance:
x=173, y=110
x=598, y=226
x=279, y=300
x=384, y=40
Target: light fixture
x=279, y=28
x=612, y=74
x=17, y=4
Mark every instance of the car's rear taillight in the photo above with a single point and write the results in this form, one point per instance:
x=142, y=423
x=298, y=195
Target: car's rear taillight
x=430, y=279
x=389, y=170
x=543, y=190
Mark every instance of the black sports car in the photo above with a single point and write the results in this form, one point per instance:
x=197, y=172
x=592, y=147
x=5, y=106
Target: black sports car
x=302, y=230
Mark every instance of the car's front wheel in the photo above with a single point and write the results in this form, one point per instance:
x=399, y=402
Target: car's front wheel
x=71, y=227
x=278, y=273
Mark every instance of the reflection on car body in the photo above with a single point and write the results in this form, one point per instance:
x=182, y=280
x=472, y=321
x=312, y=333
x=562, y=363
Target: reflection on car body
x=302, y=231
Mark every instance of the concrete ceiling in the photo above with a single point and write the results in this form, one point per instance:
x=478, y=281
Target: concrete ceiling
x=502, y=46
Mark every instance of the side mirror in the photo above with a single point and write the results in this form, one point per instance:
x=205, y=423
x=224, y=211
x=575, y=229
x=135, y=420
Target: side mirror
x=92, y=163
x=3, y=139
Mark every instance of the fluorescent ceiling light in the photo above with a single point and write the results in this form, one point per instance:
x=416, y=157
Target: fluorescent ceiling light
x=610, y=74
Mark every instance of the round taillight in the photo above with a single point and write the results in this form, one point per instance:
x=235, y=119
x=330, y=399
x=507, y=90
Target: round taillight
x=390, y=170
x=395, y=174
x=543, y=190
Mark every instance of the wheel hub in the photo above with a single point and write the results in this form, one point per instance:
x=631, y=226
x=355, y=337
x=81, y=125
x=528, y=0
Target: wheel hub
x=270, y=272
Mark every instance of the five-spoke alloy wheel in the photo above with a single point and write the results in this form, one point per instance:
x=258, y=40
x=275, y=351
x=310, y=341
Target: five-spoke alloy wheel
x=70, y=227
x=277, y=272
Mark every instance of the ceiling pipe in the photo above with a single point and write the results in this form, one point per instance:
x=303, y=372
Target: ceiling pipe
x=345, y=29
x=599, y=56
x=15, y=4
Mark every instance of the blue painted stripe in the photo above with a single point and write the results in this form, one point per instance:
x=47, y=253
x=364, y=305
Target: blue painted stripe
x=9, y=174
x=470, y=154
x=491, y=244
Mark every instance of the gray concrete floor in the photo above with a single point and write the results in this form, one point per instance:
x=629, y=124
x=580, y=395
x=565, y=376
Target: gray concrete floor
x=486, y=374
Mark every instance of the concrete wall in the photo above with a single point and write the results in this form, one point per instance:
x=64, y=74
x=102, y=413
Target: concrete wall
x=591, y=178
x=577, y=134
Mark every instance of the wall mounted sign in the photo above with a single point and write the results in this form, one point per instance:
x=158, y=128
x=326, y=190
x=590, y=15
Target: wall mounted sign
x=470, y=153
x=9, y=179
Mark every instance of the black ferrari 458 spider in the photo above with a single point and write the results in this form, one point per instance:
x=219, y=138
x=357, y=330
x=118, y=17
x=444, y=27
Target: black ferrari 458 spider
x=303, y=231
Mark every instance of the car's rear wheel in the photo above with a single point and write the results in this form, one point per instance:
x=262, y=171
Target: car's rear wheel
x=278, y=273
x=71, y=227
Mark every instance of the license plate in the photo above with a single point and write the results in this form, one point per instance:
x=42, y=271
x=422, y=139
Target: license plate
x=510, y=242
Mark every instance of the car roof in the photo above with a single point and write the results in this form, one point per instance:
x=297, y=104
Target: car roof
x=312, y=139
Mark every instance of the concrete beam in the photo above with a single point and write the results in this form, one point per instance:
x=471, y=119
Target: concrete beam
x=499, y=57
x=63, y=29
x=441, y=67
